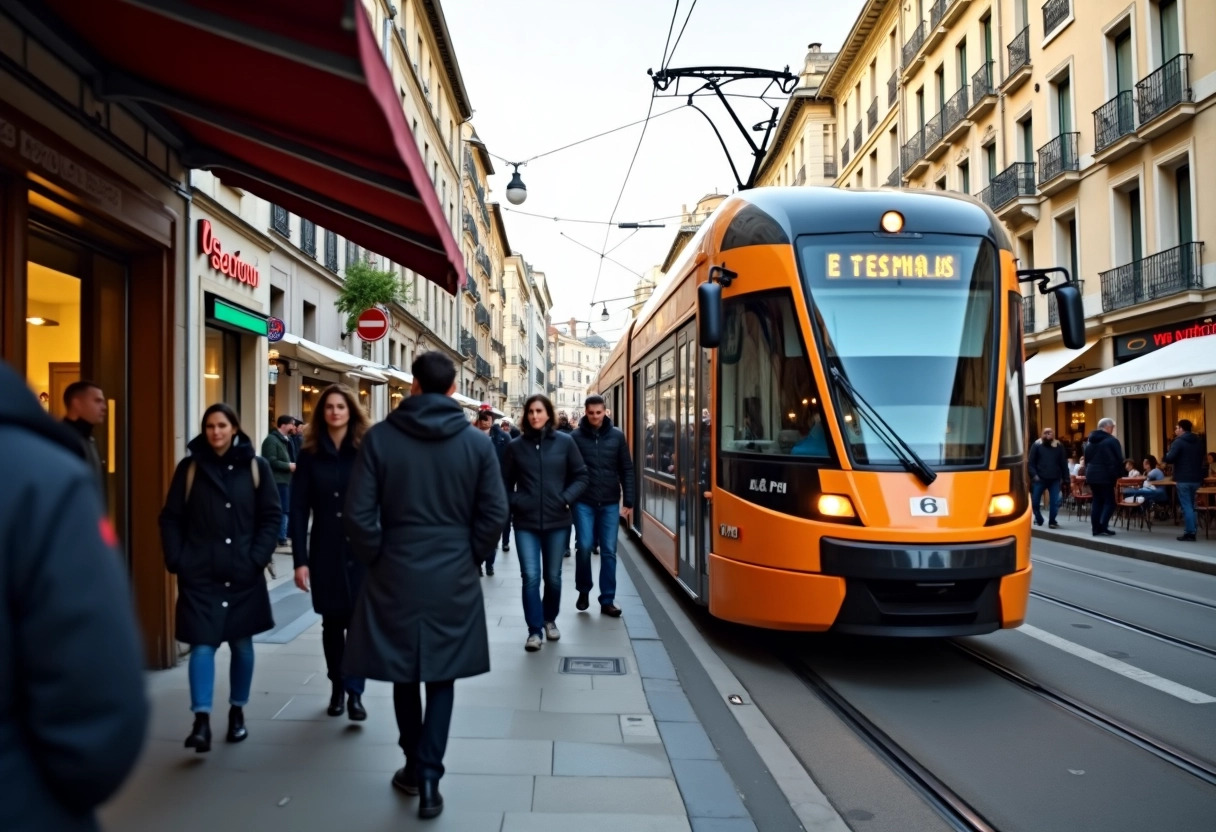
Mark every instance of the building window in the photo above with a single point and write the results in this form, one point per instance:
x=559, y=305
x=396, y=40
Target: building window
x=280, y=220
x=1026, y=134
x=222, y=367
x=964, y=177
x=310, y=321
x=331, y=251
x=352, y=254
x=308, y=238
x=990, y=161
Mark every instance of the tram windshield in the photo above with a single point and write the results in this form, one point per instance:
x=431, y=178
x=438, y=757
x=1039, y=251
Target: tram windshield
x=908, y=320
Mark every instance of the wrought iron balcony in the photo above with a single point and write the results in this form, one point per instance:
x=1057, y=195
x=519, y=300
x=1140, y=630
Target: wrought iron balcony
x=468, y=344
x=913, y=149
x=1015, y=181
x=331, y=251
x=280, y=220
x=1055, y=12
x=933, y=131
x=857, y=136
x=872, y=115
x=829, y=169
x=955, y=112
x=893, y=179
x=1057, y=156
x=1114, y=120
x=1165, y=88
x=482, y=367
x=913, y=44
x=1019, y=54
x=1159, y=275
x=481, y=315
x=470, y=225
x=517, y=320
x=936, y=12
x=801, y=177
x=470, y=286
x=483, y=260
x=983, y=89
x=497, y=346
x=892, y=88
x=1053, y=311
x=523, y=364
x=308, y=238
x=1028, y=313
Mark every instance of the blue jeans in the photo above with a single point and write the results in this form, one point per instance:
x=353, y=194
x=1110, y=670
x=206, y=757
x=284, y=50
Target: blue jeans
x=596, y=524
x=202, y=674
x=285, y=504
x=532, y=546
x=1036, y=497
x=1186, y=499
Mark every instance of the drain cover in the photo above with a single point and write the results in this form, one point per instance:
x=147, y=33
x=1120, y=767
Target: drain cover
x=592, y=666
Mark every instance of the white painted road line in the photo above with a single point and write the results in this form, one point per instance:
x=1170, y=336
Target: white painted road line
x=1182, y=692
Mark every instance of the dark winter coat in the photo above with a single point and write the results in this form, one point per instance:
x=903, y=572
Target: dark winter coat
x=425, y=506
x=276, y=450
x=85, y=431
x=1103, y=459
x=219, y=541
x=72, y=705
x=319, y=489
x=609, y=465
x=500, y=441
x=1048, y=462
x=545, y=475
x=1187, y=456
x=565, y=427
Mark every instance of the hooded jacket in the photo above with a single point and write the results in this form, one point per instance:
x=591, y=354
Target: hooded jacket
x=425, y=505
x=609, y=465
x=1048, y=462
x=1103, y=459
x=72, y=705
x=1187, y=456
x=545, y=475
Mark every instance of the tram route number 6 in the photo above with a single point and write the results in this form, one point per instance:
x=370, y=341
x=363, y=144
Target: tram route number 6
x=929, y=507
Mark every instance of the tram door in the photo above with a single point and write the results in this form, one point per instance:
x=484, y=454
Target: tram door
x=689, y=445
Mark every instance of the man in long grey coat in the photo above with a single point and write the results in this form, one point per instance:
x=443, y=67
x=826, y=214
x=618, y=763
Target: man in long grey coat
x=424, y=508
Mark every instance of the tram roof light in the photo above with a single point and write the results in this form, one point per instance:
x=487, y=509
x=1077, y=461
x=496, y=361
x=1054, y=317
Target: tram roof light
x=892, y=222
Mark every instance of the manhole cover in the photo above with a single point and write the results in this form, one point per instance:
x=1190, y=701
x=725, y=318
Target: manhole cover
x=592, y=666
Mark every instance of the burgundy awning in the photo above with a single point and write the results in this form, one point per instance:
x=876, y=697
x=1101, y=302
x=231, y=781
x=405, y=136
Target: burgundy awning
x=282, y=99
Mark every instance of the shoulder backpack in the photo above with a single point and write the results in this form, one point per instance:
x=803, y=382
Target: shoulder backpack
x=190, y=470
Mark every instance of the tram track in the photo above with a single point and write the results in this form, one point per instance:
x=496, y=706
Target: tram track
x=1125, y=582
x=1127, y=625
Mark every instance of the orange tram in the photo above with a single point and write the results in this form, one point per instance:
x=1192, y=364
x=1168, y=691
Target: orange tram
x=826, y=408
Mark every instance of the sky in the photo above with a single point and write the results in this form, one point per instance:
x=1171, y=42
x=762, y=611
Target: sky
x=544, y=73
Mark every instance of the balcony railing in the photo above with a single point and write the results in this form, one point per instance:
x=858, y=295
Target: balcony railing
x=468, y=344
x=1159, y=275
x=1168, y=87
x=892, y=88
x=470, y=286
x=982, y=82
x=933, y=131
x=937, y=11
x=518, y=321
x=1028, y=313
x=893, y=179
x=1015, y=181
x=481, y=315
x=331, y=251
x=829, y=169
x=912, y=150
x=1053, y=311
x=1055, y=12
x=470, y=225
x=801, y=177
x=1058, y=155
x=1019, y=51
x=1114, y=119
x=872, y=115
x=497, y=346
x=482, y=367
x=308, y=238
x=483, y=260
x=857, y=136
x=280, y=220
x=914, y=43
x=955, y=110
x=523, y=364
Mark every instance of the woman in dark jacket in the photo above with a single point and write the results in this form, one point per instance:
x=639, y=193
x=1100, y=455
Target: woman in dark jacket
x=545, y=475
x=324, y=563
x=219, y=527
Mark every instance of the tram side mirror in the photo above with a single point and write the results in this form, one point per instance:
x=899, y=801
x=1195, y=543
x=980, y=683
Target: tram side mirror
x=1072, y=315
x=709, y=315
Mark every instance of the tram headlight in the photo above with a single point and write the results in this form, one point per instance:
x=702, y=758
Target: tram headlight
x=835, y=505
x=1002, y=505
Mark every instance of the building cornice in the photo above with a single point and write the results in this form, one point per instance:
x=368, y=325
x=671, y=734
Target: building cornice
x=852, y=46
x=443, y=42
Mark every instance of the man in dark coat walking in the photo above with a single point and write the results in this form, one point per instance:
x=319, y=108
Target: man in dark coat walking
x=72, y=706
x=1048, y=467
x=500, y=440
x=425, y=506
x=1103, y=468
x=86, y=407
x=1186, y=455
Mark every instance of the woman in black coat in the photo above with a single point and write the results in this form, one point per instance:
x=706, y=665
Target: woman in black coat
x=324, y=562
x=545, y=475
x=219, y=527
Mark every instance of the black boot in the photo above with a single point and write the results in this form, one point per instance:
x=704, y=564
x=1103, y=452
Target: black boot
x=200, y=734
x=430, y=801
x=236, y=724
x=406, y=779
x=336, y=699
x=354, y=707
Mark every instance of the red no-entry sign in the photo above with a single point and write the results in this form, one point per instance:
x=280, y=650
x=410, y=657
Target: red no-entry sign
x=373, y=324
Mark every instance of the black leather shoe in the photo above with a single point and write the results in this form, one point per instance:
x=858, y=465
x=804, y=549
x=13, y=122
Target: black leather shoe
x=506, y=547
x=336, y=701
x=611, y=610
x=489, y=571
x=406, y=779
x=354, y=708
x=583, y=602
x=200, y=734
x=1107, y=533
x=1187, y=537
x=236, y=724
x=430, y=801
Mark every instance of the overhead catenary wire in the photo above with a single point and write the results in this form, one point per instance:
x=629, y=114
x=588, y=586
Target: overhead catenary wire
x=507, y=161
x=584, y=222
x=691, y=9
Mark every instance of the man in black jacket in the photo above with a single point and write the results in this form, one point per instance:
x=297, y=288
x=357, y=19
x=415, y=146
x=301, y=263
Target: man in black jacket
x=596, y=512
x=1186, y=455
x=1048, y=468
x=1103, y=468
x=500, y=439
x=424, y=507
x=86, y=408
x=72, y=706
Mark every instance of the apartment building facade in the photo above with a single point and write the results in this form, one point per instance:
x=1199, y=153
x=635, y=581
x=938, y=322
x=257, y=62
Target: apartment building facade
x=803, y=149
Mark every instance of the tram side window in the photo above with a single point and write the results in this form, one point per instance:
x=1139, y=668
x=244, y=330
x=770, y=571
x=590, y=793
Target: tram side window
x=768, y=400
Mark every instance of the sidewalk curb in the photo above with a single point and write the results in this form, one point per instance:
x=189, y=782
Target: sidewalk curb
x=1150, y=554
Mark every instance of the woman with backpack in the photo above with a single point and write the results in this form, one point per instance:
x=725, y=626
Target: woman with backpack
x=219, y=527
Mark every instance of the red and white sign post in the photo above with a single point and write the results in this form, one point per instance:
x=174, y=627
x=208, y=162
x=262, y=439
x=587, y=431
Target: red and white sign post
x=373, y=324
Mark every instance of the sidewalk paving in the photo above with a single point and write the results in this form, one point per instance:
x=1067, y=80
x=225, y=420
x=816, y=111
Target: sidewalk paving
x=532, y=749
x=1158, y=545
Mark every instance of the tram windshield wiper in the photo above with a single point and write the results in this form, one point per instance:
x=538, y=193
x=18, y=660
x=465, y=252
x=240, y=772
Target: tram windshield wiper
x=902, y=450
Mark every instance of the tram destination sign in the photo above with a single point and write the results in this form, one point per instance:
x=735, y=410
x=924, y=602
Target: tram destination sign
x=879, y=265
